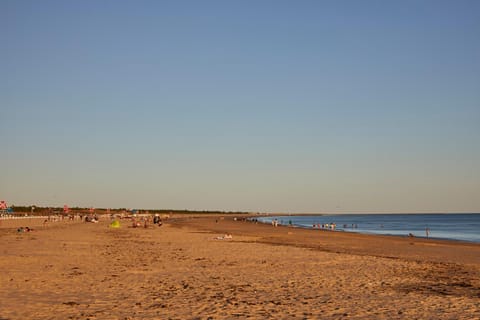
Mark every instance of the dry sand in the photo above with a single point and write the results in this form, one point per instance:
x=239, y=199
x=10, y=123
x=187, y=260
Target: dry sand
x=78, y=270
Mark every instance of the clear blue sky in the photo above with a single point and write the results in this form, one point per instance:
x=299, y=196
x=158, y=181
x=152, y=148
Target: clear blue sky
x=290, y=106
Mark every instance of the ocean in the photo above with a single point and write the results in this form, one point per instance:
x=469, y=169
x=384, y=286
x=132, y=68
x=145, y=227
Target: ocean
x=463, y=227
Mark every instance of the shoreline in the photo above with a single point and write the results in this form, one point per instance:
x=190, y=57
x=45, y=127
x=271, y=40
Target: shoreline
x=367, y=226
x=445, y=250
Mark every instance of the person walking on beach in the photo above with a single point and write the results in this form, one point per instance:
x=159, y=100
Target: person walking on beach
x=427, y=231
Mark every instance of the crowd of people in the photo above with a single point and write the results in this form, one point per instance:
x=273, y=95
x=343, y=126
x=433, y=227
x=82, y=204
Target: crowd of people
x=145, y=221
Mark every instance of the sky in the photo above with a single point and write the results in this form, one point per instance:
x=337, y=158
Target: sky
x=269, y=106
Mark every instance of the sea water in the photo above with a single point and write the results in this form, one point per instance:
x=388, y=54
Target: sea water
x=464, y=227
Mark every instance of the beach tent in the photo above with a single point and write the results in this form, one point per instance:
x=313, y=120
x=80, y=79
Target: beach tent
x=115, y=224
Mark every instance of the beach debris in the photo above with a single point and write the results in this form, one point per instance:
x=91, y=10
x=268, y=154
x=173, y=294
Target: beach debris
x=224, y=237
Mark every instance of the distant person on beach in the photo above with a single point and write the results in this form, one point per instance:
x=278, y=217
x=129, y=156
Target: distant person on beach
x=135, y=223
x=427, y=231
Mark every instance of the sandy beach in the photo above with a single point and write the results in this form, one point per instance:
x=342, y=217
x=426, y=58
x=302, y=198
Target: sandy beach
x=76, y=270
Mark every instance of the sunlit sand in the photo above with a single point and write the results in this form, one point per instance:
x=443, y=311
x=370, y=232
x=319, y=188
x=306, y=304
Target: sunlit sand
x=188, y=269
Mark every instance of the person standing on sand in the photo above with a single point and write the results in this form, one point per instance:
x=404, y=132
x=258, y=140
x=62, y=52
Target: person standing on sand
x=427, y=231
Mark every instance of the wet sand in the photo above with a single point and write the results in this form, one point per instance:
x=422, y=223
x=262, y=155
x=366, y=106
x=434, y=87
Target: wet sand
x=179, y=271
